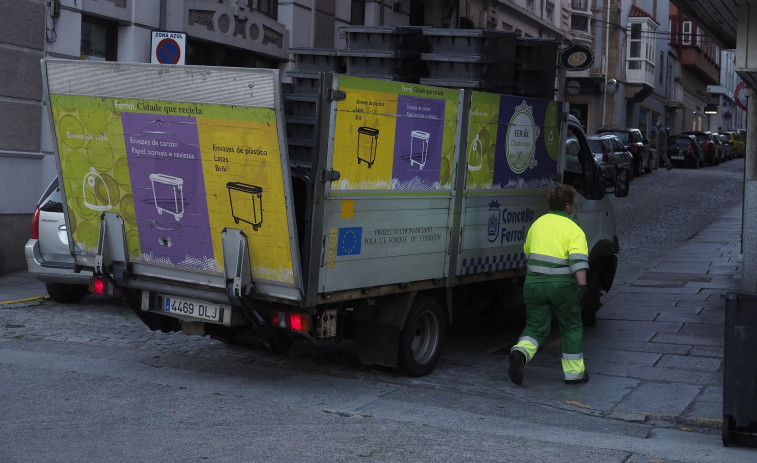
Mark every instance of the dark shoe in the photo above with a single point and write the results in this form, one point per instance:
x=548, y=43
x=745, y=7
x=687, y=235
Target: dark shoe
x=517, y=365
x=581, y=380
x=669, y=167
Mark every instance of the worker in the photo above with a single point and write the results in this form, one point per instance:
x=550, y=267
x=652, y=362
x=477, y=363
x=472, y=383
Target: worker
x=558, y=259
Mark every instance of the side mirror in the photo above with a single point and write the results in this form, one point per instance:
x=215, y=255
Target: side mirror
x=622, y=182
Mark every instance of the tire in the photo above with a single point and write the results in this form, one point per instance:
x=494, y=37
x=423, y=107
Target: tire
x=422, y=338
x=727, y=430
x=66, y=294
x=591, y=300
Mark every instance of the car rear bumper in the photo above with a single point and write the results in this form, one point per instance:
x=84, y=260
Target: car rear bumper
x=52, y=272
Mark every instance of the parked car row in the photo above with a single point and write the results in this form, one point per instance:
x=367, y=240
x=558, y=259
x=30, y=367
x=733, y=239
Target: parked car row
x=697, y=148
x=636, y=144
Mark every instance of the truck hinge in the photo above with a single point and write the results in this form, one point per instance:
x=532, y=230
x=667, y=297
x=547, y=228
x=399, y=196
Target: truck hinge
x=237, y=268
x=330, y=176
x=336, y=95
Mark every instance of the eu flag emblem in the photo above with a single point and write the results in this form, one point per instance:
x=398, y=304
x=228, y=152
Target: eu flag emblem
x=349, y=241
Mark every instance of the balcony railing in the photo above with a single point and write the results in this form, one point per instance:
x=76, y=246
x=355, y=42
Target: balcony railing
x=675, y=94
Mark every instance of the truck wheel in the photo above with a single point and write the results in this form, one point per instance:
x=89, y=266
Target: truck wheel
x=591, y=300
x=421, y=338
x=66, y=294
x=727, y=430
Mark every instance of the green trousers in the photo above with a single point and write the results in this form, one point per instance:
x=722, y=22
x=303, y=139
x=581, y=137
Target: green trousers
x=545, y=298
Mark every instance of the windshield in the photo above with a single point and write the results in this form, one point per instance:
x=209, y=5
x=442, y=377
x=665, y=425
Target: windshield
x=623, y=136
x=595, y=146
x=682, y=142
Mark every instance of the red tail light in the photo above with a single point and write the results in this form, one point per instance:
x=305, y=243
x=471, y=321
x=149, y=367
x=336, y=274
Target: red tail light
x=35, y=225
x=291, y=320
x=102, y=287
x=604, y=156
x=633, y=148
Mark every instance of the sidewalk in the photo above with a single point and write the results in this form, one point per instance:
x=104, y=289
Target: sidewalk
x=656, y=352
x=19, y=287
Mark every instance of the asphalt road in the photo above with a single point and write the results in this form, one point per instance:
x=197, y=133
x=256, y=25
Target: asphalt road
x=89, y=382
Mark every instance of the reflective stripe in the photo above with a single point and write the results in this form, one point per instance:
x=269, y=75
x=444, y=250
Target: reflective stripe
x=574, y=375
x=577, y=256
x=529, y=339
x=549, y=270
x=579, y=266
x=573, y=366
x=546, y=258
x=527, y=346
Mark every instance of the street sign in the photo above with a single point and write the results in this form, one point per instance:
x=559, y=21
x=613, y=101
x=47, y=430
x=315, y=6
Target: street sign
x=740, y=96
x=168, y=47
x=576, y=57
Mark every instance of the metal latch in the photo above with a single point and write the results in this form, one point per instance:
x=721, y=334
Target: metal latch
x=331, y=175
x=336, y=95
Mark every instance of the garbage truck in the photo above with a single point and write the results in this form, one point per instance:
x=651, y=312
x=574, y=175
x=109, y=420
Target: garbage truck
x=181, y=197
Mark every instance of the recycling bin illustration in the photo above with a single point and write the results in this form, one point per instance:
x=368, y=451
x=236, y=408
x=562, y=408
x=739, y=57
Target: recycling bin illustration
x=168, y=193
x=95, y=191
x=475, y=155
x=419, y=148
x=367, y=139
x=246, y=203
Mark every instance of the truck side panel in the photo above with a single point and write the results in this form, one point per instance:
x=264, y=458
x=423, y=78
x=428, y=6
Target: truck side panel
x=512, y=157
x=388, y=216
x=376, y=243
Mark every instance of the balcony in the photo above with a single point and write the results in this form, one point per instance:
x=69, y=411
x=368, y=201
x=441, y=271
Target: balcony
x=642, y=76
x=674, y=98
x=639, y=79
x=693, y=59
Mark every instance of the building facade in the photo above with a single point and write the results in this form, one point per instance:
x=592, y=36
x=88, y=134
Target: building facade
x=627, y=86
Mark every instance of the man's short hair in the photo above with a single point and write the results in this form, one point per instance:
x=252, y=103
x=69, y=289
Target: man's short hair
x=560, y=196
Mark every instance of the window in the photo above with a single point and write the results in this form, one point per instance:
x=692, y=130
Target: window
x=580, y=5
x=661, y=66
x=634, y=47
x=98, y=39
x=579, y=22
x=686, y=33
x=267, y=7
x=357, y=13
x=641, y=48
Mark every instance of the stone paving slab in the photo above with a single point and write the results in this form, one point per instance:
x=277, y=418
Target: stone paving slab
x=659, y=399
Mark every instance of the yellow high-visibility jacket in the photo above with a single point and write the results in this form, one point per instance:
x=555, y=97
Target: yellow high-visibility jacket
x=556, y=246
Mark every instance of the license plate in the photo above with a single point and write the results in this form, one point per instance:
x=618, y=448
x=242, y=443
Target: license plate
x=193, y=308
x=677, y=158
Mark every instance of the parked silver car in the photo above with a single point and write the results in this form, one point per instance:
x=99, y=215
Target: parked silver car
x=610, y=154
x=47, y=253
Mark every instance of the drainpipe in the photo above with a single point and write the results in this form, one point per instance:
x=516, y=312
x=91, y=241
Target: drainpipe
x=162, y=21
x=607, y=63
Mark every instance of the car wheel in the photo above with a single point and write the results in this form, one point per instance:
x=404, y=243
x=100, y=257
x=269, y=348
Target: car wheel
x=66, y=294
x=422, y=337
